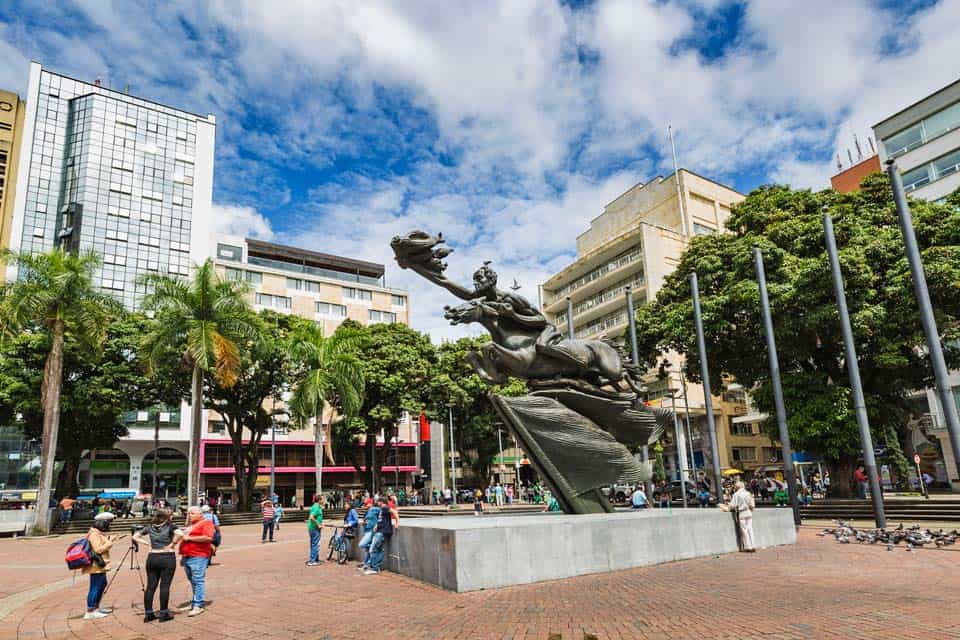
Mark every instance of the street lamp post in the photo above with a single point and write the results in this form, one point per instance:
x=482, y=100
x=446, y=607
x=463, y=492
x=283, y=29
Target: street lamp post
x=500, y=444
x=635, y=358
x=570, y=330
x=777, y=389
x=273, y=454
x=686, y=408
x=947, y=403
x=705, y=373
x=853, y=370
x=453, y=472
x=681, y=454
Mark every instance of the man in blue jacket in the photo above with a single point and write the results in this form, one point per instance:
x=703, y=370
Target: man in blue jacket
x=381, y=536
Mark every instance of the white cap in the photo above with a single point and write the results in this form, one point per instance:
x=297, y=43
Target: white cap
x=106, y=515
x=205, y=508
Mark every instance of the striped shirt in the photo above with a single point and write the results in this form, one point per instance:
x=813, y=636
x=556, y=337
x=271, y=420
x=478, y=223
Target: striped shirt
x=268, y=511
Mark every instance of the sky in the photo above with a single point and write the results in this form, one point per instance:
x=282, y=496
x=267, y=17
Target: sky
x=507, y=125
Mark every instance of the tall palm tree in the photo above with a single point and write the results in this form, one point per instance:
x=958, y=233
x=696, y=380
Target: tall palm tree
x=332, y=380
x=204, y=318
x=54, y=294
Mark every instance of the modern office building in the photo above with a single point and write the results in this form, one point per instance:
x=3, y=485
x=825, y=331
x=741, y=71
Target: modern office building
x=106, y=171
x=637, y=242
x=12, y=110
x=924, y=138
x=326, y=289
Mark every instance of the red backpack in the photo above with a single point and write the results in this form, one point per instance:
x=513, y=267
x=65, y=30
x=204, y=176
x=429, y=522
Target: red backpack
x=79, y=554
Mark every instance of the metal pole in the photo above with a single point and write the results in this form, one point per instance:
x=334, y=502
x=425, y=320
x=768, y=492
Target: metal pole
x=273, y=451
x=686, y=408
x=777, y=388
x=635, y=357
x=707, y=396
x=453, y=472
x=676, y=178
x=500, y=444
x=677, y=430
x=570, y=331
x=853, y=370
x=156, y=451
x=947, y=403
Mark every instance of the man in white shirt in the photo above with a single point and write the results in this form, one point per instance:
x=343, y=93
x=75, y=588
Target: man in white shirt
x=639, y=499
x=743, y=504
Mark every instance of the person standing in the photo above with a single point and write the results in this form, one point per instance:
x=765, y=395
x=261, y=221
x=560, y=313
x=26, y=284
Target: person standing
x=498, y=495
x=277, y=514
x=743, y=504
x=196, y=547
x=448, y=497
x=66, y=509
x=268, y=511
x=477, y=502
x=100, y=543
x=351, y=525
x=209, y=514
x=860, y=477
x=314, y=524
x=639, y=499
x=381, y=537
x=162, y=536
x=370, y=519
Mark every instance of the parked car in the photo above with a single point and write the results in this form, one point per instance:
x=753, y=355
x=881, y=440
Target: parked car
x=618, y=492
x=675, y=496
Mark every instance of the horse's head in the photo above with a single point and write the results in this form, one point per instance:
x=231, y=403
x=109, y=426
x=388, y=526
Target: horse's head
x=464, y=313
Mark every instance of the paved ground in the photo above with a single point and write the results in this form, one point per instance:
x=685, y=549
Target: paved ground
x=816, y=589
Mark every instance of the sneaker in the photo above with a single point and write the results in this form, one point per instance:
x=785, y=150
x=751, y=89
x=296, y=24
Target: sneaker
x=164, y=617
x=361, y=567
x=149, y=617
x=93, y=615
x=107, y=610
x=370, y=572
x=185, y=607
x=312, y=564
x=195, y=611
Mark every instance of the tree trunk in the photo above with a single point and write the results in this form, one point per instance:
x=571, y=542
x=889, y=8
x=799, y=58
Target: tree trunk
x=371, y=459
x=67, y=478
x=841, y=477
x=196, y=430
x=318, y=451
x=50, y=396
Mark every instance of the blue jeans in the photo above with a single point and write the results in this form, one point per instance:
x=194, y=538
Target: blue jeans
x=365, y=545
x=314, y=544
x=196, y=570
x=375, y=558
x=862, y=490
x=66, y=515
x=98, y=584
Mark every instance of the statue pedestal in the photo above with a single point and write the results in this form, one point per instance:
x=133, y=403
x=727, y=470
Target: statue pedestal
x=469, y=553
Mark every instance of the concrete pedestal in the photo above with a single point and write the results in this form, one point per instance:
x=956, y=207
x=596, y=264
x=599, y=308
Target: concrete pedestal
x=468, y=553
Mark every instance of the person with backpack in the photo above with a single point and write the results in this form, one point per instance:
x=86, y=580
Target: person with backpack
x=209, y=514
x=162, y=536
x=100, y=542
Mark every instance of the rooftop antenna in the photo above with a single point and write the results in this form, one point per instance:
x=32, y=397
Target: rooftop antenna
x=849, y=155
x=873, y=149
x=97, y=82
x=856, y=143
x=839, y=164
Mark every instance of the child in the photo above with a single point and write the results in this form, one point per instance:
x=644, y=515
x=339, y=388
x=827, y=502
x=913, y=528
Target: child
x=477, y=502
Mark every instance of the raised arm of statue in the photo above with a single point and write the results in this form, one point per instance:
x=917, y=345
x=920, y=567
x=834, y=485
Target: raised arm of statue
x=419, y=251
x=440, y=279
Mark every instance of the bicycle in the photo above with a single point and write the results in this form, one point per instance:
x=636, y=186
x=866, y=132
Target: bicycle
x=339, y=544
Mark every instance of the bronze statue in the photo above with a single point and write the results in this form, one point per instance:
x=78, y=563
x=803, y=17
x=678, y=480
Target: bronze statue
x=585, y=408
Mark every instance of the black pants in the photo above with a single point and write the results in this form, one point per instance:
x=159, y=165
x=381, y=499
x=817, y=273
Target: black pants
x=267, y=527
x=160, y=570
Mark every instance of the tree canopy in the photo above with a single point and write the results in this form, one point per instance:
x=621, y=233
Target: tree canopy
x=787, y=226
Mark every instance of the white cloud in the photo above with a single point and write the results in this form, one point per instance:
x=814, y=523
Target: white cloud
x=240, y=221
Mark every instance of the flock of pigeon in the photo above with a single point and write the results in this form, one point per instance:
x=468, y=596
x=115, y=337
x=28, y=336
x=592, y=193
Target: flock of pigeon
x=914, y=536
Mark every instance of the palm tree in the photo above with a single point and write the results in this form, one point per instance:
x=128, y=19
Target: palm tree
x=204, y=318
x=54, y=294
x=332, y=380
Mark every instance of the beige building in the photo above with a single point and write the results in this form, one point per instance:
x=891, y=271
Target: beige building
x=326, y=289
x=11, y=129
x=637, y=242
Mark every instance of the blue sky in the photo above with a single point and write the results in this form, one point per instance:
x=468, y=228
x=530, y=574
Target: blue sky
x=506, y=125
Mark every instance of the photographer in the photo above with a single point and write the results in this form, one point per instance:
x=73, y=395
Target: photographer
x=163, y=537
x=100, y=543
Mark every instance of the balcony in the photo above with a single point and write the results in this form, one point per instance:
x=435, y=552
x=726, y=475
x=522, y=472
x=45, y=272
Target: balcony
x=628, y=257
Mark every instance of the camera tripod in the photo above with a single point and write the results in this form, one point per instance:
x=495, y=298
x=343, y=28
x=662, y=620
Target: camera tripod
x=134, y=565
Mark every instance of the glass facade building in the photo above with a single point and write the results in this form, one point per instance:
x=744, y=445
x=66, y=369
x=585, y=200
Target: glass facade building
x=125, y=177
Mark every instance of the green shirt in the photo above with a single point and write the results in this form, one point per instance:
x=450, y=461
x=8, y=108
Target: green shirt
x=316, y=512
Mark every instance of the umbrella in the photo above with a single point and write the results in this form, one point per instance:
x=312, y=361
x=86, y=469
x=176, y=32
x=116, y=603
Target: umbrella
x=732, y=472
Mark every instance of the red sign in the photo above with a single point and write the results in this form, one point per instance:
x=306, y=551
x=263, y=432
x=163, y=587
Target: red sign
x=424, y=428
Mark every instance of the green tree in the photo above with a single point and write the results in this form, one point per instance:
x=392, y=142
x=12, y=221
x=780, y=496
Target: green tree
x=204, y=318
x=250, y=405
x=330, y=376
x=787, y=226
x=54, y=295
x=397, y=366
x=457, y=385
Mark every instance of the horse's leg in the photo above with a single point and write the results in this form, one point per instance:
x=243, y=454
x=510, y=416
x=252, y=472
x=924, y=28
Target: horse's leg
x=485, y=368
x=607, y=361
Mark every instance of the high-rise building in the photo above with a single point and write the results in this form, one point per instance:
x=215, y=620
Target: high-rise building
x=11, y=130
x=924, y=138
x=102, y=170
x=637, y=242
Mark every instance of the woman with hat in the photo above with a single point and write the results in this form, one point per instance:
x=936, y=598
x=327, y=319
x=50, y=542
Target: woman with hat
x=100, y=543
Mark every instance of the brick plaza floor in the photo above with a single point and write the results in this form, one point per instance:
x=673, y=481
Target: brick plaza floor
x=816, y=589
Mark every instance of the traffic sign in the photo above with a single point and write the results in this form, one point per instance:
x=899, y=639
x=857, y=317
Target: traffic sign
x=916, y=458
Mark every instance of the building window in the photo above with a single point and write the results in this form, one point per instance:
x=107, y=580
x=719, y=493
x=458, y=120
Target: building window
x=904, y=141
x=741, y=428
x=274, y=302
x=382, y=316
x=702, y=229
x=398, y=301
x=916, y=178
x=254, y=277
x=772, y=454
x=353, y=293
x=303, y=285
x=229, y=252
x=744, y=454
x=235, y=275
x=335, y=310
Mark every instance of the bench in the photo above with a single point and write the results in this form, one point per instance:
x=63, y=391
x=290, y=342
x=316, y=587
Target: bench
x=16, y=528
